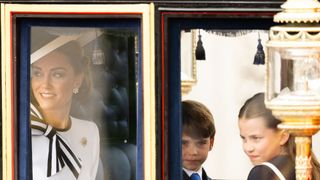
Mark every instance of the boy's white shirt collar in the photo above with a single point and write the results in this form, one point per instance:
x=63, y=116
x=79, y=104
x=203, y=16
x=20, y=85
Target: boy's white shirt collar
x=191, y=172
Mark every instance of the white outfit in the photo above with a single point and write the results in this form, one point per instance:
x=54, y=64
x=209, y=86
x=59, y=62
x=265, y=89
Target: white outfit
x=83, y=139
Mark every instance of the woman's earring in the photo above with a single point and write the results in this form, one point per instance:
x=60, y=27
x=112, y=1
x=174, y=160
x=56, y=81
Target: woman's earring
x=75, y=91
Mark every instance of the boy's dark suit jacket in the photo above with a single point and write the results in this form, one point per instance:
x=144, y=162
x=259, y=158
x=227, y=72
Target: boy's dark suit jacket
x=204, y=175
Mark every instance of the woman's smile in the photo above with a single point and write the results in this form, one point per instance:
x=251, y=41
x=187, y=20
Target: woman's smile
x=47, y=95
x=53, y=79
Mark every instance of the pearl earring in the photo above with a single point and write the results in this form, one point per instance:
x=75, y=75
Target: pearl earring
x=75, y=91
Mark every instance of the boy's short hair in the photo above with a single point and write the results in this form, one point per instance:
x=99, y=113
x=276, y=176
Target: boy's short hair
x=197, y=120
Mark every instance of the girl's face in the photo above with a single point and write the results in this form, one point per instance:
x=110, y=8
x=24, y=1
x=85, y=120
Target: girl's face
x=52, y=81
x=261, y=143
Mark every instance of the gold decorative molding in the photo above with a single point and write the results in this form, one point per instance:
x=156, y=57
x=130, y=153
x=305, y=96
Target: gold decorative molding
x=191, y=77
x=289, y=36
x=303, y=158
x=8, y=11
x=299, y=11
x=292, y=68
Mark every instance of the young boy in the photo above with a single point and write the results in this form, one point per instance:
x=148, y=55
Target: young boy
x=198, y=132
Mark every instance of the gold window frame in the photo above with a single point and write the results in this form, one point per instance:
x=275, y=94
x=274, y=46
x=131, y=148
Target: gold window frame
x=189, y=66
x=7, y=59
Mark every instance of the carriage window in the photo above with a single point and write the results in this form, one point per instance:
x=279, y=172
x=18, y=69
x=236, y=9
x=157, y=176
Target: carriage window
x=80, y=88
x=222, y=82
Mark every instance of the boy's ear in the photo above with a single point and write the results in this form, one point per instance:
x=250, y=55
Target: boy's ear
x=211, y=143
x=284, y=137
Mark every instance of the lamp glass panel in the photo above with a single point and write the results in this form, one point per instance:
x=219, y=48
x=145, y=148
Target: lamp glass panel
x=274, y=71
x=294, y=74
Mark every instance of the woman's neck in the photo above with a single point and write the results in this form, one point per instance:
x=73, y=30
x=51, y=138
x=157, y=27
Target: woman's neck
x=57, y=119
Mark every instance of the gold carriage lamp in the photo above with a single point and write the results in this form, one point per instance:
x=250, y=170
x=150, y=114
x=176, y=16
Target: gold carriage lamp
x=293, y=76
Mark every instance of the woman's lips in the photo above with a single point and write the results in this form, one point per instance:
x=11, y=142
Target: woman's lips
x=47, y=95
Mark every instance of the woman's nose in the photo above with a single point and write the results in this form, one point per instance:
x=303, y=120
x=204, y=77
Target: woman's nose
x=46, y=81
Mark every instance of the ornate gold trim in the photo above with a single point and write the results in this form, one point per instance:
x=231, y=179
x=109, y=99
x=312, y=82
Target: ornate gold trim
x=288, y=36
x=299, y=11
x=299, y=115
x=303, y=158
x=148, y=62
x=186, y=85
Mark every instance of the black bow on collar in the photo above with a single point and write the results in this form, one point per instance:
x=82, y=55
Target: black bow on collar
x=60, y=154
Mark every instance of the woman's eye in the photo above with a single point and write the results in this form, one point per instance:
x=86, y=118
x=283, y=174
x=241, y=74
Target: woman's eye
x=58, y=74
x=36, y=73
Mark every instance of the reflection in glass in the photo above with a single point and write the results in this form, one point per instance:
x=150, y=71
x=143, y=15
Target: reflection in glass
x=108, y=105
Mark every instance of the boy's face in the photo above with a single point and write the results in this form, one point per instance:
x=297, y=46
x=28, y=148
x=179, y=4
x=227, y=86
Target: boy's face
x=195, y=151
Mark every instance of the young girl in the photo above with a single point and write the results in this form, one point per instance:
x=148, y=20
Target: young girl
x=270, y=149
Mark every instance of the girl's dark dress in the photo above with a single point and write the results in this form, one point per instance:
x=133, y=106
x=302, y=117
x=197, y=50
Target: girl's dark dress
x=283, y=162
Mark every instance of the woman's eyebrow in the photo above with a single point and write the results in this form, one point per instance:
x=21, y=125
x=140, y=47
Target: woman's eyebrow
x=53, y=69
x=35, y=67
x=58, y=68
